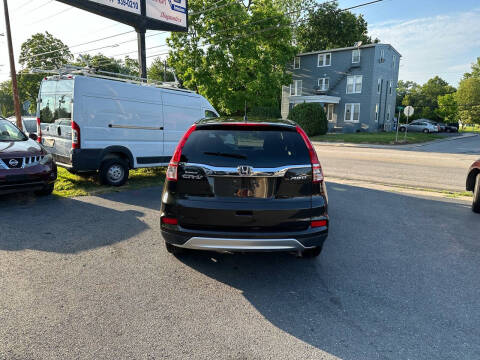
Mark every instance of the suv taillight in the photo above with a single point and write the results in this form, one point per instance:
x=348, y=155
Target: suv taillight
x=172, y=171
x=39, y=131
x=317, y=174
x=75, y=135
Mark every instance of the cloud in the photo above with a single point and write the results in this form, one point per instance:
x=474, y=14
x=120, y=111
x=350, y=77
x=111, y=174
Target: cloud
x=443, y=45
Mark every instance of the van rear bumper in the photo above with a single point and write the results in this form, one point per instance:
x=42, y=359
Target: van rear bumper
x=245, y=241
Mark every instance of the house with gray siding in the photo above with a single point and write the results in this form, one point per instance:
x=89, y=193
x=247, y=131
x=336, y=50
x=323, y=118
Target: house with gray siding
x=356, y=85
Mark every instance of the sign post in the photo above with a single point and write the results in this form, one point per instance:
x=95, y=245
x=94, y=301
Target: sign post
x=143, y=15
x=400, y=108
x=408, y=111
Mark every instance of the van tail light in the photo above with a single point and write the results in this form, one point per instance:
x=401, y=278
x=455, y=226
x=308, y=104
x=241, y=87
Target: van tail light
x=317, y=174
x=75, y=135
x=169, y=221
x=318, y=223
x=172, y=171
x=39, y=131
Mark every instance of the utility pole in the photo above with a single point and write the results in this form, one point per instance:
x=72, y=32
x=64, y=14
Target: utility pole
x=164, y=70
x=16, y=100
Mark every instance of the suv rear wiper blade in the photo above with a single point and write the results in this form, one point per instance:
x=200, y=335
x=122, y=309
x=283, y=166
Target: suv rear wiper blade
x=236, y=156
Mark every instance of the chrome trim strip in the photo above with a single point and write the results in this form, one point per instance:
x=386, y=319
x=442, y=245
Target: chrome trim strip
x=256, y=172
x=135, y=127
x=3, y=165
x=225, y=244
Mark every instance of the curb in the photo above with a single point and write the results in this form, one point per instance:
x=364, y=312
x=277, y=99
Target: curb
x=400, y=146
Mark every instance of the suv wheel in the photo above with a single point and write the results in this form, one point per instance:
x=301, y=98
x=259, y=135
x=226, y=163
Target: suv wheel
x=426, y=131
x=311, y=253
x=47, y=190
x=172, y=249
x=476, y=196
x=114, y=172
x=402, y=129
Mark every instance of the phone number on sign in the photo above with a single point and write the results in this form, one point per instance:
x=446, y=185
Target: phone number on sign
x=128, y=3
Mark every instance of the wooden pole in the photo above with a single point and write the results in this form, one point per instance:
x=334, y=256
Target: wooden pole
x=13, y=73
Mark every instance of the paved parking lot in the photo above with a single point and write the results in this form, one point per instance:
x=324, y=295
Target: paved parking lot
x=89, y=278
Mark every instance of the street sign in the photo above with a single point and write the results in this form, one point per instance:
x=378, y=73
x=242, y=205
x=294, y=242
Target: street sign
x=408, y=111
x=400, y=108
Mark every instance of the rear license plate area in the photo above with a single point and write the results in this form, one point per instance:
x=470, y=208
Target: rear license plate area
x=244, y=187
x=49, y=142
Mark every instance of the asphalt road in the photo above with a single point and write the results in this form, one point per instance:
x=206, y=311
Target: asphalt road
x=440, y=165
x=89, y=278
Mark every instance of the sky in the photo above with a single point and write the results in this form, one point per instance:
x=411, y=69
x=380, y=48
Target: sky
x=435, y=37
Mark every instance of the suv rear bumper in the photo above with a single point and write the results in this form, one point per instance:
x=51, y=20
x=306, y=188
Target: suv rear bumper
x=246, y=241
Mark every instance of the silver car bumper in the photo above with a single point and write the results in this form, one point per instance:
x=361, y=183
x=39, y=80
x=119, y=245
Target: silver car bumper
x=225, y=244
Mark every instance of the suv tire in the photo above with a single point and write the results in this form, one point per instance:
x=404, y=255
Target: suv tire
x=114, y=172
x=425, y=131
x=47, y=190
x=476, y=195
x=312, y=253
x=402, y=128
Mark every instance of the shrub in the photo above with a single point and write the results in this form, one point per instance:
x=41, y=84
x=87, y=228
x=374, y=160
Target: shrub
x=311, y=117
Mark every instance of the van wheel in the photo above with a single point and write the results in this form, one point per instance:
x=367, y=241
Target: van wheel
x=114, y=172
x=311, y=253
x=45, y=191
x=476, y=196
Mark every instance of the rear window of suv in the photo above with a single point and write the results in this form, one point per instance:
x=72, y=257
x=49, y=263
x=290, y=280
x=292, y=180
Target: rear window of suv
x=254, y=147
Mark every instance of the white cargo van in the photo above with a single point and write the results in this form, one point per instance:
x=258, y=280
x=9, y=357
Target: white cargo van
x=92, y=123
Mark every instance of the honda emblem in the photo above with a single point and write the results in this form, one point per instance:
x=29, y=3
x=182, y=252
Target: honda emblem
x=245, y=170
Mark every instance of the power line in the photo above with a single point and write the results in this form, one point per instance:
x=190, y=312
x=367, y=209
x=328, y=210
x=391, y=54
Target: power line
x=51, y=16
x=38, y=7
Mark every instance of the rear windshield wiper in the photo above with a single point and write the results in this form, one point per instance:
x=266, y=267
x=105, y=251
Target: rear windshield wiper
x=236, y=156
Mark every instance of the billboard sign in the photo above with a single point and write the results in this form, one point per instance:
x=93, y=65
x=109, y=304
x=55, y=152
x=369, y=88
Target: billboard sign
x=170, y=15
x=170, y=11
x=132, y=6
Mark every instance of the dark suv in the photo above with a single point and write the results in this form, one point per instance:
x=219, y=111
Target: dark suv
x=245, y=186
x=24, y=164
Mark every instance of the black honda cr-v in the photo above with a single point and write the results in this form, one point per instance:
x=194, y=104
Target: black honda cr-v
x=255, y=185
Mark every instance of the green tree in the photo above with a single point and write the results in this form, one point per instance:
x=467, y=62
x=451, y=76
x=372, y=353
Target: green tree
x=101, y=62
x=328, y=27
x=468, y=100
x=447, y=108
x=425, y=98
x=156, y=71
x=6, y=99
x=475, y=73
x=241, y=59
x=44, y=51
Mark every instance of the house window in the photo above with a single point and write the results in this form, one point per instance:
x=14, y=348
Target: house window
x=394, y=61
x=356, y=56
x=354, y=84
x=324, y=60
x=296, y=88
x=376, y=112
x=388, y=114
x=390, y=87
x=382, y=55
x=352, y=112
x=330, y=110
x=379, y=86
x=323, y=83
x=296, y=62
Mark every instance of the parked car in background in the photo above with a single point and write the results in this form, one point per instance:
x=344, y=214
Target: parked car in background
x=245, y=186
x=29, y=124
x=451, y=128
x=25, y=165
x=115, y=125
x=473, y=184
x=440, y=126
x=419, y=126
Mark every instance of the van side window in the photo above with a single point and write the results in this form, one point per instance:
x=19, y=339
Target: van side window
x=210, y=114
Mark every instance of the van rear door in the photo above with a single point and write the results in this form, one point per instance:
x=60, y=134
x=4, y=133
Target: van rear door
x=55, y=115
